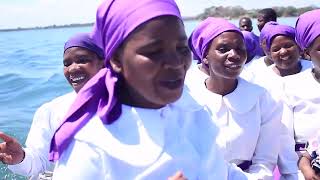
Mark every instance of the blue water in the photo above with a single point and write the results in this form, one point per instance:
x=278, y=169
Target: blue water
x=31, y=73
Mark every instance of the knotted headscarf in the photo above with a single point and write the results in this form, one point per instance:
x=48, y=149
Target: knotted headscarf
x=307, y=28
x=85, y=41
x=115, y=20
x=205, y=32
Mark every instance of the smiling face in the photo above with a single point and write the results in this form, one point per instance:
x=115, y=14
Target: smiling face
x=226, y=55
x=314, y=52
x=153, y=62
x=284, y=52
x=80, y=65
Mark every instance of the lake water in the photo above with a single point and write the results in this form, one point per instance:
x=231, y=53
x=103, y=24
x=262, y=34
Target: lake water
x=31, y=73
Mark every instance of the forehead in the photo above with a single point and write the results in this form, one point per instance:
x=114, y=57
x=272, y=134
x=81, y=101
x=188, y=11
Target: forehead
x=168, y=27
x=245, y=21
x=280, y=39
x=78, y=51
x=228, y=37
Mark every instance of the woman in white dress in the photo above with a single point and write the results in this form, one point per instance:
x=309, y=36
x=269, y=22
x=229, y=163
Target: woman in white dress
x=133, y=120
x=82, y=59
x=248, y=117
x=303, y=90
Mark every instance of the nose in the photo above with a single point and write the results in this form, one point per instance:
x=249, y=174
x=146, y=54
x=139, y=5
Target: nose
x=73, y=67
x=283, y=51
x=233, y=55
x=176, y=61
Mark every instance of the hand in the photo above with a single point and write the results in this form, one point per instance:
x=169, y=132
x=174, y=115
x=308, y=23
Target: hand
x=309, y=174
x=178, y=176
x=11, y=151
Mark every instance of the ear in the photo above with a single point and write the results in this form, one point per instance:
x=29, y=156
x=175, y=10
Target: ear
x=116, y=64
x=205, y=61
x=306, y=54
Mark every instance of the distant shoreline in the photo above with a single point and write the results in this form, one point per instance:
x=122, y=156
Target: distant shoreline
x=68, y=26
x=229, y=12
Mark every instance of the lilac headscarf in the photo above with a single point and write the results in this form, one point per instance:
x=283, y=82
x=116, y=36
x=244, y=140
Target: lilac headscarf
x=266, y=30
x=205, y=32
x=307, y=28
x=252, y=46
x=115, y=20
x=85, y=41
x=276, y=30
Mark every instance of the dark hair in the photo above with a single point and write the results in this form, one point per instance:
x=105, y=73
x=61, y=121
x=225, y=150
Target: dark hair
x=269, y=14
x=246, y=18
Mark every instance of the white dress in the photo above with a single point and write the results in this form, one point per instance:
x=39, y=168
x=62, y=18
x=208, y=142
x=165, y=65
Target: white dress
x=46, y=120
x=147, y=144
x=267, y=78
x=303, y=97
x=249, y=122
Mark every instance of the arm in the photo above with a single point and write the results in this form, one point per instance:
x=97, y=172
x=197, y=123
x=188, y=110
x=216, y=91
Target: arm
x=304, y=164
x=37, y=145
x=288, y=158
x=268, y=144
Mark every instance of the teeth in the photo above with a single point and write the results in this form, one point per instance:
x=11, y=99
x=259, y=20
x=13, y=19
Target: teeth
x=77, y=78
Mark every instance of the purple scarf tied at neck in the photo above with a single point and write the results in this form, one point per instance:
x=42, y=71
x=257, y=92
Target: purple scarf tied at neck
x=115, y=20
x=85, y=41
x=308, y=28
x=200, y=39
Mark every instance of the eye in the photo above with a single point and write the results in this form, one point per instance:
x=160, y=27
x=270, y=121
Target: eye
x=184, y=50
x=83, y=60
x=66, y=63
x=223, y=49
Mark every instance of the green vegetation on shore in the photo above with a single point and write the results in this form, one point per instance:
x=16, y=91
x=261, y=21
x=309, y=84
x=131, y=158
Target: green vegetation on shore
x=230, y=12
x=233, y=12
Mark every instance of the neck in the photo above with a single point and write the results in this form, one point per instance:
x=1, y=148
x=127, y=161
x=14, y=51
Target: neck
x=286, y=72
x=131, y=97
x=268, y=61
x=220, y=85
x=316, y=74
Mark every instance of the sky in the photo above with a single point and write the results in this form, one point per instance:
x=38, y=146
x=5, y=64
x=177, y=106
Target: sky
x=31, y=13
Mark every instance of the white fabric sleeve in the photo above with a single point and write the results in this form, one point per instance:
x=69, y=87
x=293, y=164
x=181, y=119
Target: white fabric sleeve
x=37, y=145
x=288, y=158
x=268, y=144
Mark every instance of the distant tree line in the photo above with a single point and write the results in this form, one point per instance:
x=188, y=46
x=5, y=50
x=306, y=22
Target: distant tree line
x=232, y=12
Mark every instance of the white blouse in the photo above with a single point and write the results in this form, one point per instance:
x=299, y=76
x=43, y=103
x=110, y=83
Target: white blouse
x=303, y=98
x=46, y=120
x=147, y=144
x=249, y=122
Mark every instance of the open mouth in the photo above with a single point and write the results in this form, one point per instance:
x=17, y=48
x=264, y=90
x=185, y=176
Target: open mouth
x=233, y=66
x=77, y=79
x=172, y=84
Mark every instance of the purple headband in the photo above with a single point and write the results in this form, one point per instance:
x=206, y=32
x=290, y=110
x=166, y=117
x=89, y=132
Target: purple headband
x=205, y=32
x=252, y=45
x=308, y=28
x=266, y=30
x=276, y=30
x=83, y=40
x=115, y=20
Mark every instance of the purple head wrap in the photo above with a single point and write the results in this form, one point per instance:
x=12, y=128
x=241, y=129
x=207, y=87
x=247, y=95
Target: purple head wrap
x=115, y=20
x=85, y=41
x=205, y=32
x=276, y=30
x=266, y=30
x=308, y=28
x=252, y=45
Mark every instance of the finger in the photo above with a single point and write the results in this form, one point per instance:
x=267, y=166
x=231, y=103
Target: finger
x=6, y=138
x=4, y=158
